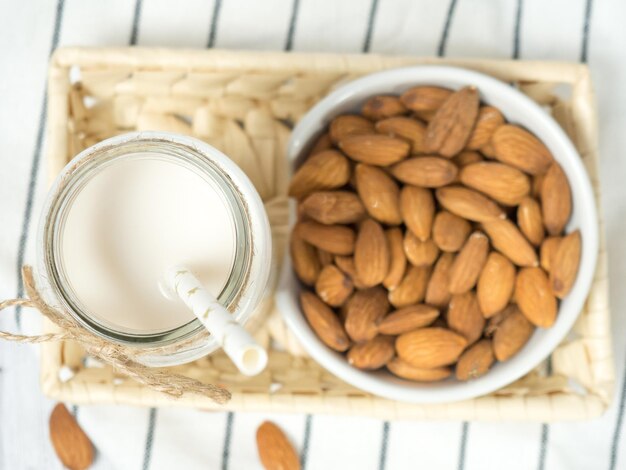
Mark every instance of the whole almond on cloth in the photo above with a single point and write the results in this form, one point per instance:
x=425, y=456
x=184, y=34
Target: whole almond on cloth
x=464, y=316
x=547, y=251
x=381, y=107
x=565, y=264
x=322, y=143
x=70, y=442
x=275, y=450
x=519, y=148
x=450, y=231
x=333, y=286
x=408, y=319
x=420, y=253
x=346, y=265
x=556, y=200
x=511, y=335
x=375, y=149
x=425, y=98
x=324, y=322
x=503, y=183
x=487, y=121
x=534, y=297
x=530, y=221
x=335, y=239
x=371, y=254
x=404, y=370
x=365, y=309
x=508, y=240
x=495, y=284
x=397, y=264
x=372, y=354
x=417, y=207
x=407, y=128
x=475, y=361
x=469, y=204
x=379, y=193
x=412, y=288
x=333, y=207
x=349, y=124
x=328, y=169
x=437, y=292
x=467, y=157
x=426, y=172
x=469, y=263
x=430, y=347
x=304, y=260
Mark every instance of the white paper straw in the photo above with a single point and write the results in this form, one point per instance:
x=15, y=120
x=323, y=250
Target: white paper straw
x=249, y=357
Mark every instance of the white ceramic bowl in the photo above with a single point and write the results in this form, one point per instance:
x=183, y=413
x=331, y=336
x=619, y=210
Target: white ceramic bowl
x=518, y=109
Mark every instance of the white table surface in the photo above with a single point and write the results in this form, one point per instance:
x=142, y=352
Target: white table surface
x=136, y=438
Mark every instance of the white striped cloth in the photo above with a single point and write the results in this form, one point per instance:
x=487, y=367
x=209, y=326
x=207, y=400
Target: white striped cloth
x=136, y=438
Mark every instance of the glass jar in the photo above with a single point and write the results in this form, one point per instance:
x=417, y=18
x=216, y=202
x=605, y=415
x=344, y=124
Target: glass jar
x=244, y=293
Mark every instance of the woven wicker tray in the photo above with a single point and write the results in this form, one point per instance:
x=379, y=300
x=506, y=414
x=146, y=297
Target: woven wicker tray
x=245, y=103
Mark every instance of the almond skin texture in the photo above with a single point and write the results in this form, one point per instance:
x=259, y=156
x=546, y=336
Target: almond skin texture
x=379, y=193
x=328, y=169
x=372, y=354
x=417, y=207
x=519, y=148
x=420, y=253
x=495, y=284
x=375, y=149
x=450, y=128
x=406, y=128
x=335, y=239
x=469, y=204
x=325, y=258
x=365, y=310
x=488, y=120
x=437, y=292
x=408, y=319
x=534, y=297
x=450, y=231
x=503, y=183
x=324, y=322
x=404, y=370
x=333, y=286
x=70, y=442
x=467, y=158
x=430, y=347
x=425, y=98
x=333, y=207
x=476, y=361
x=508, y=240
x=349, y=124
x=469, y=263
x=426, y=172
x=556, y=200
x=397, y=264
x=511, y=335
x=412, y=288
x=322, y=143
x=381, y=107
x=565, y=264
x=275, y=450
x=304, y=259
x=371, y=254
x=530, y=221
x=346, y=264
x=465, y=318
x=494, y=322
x=549, y=248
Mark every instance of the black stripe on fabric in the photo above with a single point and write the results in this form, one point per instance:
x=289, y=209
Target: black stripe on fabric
x=134, y=32
x=584, y=48
x=34, y=166
x=543, y=447
x=147, y=454
x=441, y=51
x=230, y=417
x=292, y=25
x=617, y=433
x=517, y=30
x=217, y=8
x=463, y=444
x=384, y=441
x=306, y=439
x=367, y=42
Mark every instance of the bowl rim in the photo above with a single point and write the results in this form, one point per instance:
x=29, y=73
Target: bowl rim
x=413, y=392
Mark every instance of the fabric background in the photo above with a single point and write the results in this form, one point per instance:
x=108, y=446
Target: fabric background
x=134, y=438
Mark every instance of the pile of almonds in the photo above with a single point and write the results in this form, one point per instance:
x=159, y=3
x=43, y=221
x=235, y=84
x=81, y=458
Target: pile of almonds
x=431, y=233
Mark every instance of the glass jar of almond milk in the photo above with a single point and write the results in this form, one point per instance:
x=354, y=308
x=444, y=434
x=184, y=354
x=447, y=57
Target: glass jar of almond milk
x=129, y=208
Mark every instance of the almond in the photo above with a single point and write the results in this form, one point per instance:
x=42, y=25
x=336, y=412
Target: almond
x=519, y=148
x=556, y=200
x=469, y=263
x=534, y=297
x=333, y=286
x=349, y=124
x=495, y=284
x=346, y=264
x=469, y=204
x=419, y=253
x=322, y=143
x=335, y=239
x=425, y=98
x=333, y=207
x=508, y=240
x=494, y=322
x=371, y=254
x=549, y=248
x=406, y=371
x=328, y=169
x=375, y=149
x=487, y=121
x=324, y=322
x=380, y=194
x=450, y=231
x=397, y=264
x=530, y=221
x=512, y=334
x=417, y=207
x=365, y=309
x=381, y=107
x=464, y=316
x=476, y=361
x=275, y=450
x=325, y=257
x=407, y=319
x=70, y=442
x=427, y=172
x=437, y=292
x=565, y=264
x=406, y=128
x=430, y=347
x=304, y=260
x=450, y=128
x=536, y=184
x=412, y=288
x=372, y=354
x=467, y=158
x=501, y=182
